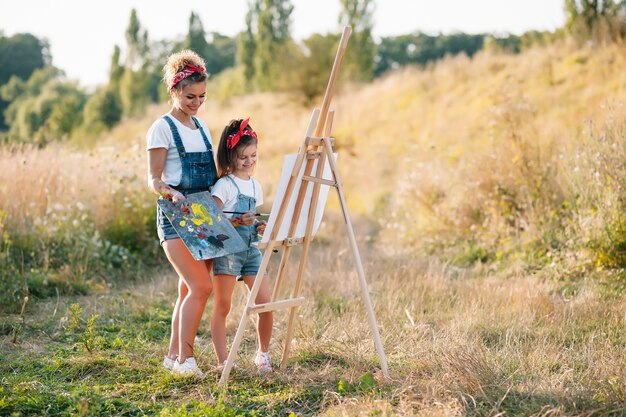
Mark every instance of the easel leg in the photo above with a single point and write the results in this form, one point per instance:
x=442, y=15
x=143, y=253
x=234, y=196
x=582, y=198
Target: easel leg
x=281, y=272
x=253, y=318
x=305, y=251
x=359, y=265
x=294, y=310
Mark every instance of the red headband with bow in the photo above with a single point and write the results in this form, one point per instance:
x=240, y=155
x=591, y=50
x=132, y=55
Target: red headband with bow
x=233, y=140
x=186, y=72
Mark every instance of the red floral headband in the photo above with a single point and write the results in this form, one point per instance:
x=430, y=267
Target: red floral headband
x=233, y=140
x=186, y=72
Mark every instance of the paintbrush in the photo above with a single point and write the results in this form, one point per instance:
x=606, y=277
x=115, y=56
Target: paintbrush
x=243, y=212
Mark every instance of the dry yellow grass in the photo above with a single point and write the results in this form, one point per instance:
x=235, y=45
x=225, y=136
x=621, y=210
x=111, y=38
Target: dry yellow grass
x=449, y=118
x=457, y=342
x=424, y=149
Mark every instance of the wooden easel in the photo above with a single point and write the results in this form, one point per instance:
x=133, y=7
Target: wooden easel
x=316, y=147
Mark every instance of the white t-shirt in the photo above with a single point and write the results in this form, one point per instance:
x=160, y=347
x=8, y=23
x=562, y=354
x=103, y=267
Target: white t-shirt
x=225, y=190
x=160, y=136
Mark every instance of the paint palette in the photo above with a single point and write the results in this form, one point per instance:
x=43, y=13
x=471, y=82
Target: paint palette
x=200, y=224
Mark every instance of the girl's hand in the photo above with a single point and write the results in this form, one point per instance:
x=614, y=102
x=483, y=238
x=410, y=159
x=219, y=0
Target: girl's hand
x=236, y=221
x=260, y=226
x=248, y=218
x=244, y=220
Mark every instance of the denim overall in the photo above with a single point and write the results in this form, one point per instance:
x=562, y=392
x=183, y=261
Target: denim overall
x=199, y=174
x=246, y=262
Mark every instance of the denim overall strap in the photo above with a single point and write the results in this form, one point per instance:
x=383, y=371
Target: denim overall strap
x=177, y=140
x=245, y=203
x=206, y=140
x=239, y=191
x=199, y=172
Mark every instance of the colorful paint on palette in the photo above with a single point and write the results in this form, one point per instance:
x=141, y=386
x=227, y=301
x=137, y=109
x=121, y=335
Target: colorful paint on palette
x=198, y=222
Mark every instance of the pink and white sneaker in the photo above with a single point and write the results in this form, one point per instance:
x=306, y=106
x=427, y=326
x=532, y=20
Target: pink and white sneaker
x=263, y=361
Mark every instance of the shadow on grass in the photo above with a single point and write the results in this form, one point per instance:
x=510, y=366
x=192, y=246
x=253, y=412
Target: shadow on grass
x=58, y=381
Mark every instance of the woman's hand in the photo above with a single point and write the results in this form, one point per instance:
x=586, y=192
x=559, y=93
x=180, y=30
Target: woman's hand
x=171, y=194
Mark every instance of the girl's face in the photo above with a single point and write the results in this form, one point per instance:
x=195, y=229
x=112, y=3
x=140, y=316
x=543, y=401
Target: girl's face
x=190, y=98
x=246, y=161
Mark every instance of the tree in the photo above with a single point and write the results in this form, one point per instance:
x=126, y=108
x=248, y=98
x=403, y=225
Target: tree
x=66, y=103
x=117, y=70
x=217, y=54
x=196, y=39
x=225, y=50
x=247, y=41
x=136, y=87
x=420, y=48
x=359, y=59
x=102, y=110
x=157, y=55
x=272, y=40
x=307, y=75
x=589, y=18
x=44, y=108
x=136, y=42
x=24, y=119
x=20, y=56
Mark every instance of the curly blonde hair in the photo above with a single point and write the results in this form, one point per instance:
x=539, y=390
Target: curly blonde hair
x=177, y=62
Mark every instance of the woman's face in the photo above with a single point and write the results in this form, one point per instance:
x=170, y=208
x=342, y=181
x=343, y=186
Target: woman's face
x=190, y=98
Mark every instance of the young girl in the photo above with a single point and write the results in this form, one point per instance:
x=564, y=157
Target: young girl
x=238, y=192
x=180, y=159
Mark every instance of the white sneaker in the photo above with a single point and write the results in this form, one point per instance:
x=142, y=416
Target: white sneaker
x=168, y=363
x=187, y=368
x=263, y=361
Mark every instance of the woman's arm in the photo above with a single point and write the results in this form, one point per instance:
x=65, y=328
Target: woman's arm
x=156, y=163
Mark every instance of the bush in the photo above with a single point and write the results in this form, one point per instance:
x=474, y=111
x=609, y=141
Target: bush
x=64, y=253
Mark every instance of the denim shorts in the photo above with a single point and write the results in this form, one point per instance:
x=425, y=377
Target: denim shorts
x=165, y=230
x=243, y=263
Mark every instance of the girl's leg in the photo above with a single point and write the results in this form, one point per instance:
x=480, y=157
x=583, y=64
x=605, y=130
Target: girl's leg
x=182, y=293
x=197, y=278
x=264, y=325
x=224, y=286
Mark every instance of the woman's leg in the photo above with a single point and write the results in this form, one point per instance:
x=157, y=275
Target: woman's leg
x=182, y=293
x=223, y=286
x=197, y=278
x=264, y=325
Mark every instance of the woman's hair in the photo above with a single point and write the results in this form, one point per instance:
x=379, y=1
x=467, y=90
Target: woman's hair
x=178, y=62
x=227, y=158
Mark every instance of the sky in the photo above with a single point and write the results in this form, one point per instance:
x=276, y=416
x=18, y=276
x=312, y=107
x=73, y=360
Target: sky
x=82, y=34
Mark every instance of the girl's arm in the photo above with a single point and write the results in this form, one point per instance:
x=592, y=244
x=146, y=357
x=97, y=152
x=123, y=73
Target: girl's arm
x=156, y=163
x=218, y=202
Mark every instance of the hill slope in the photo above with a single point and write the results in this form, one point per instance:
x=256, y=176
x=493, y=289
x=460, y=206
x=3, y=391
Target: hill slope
x=486, y=144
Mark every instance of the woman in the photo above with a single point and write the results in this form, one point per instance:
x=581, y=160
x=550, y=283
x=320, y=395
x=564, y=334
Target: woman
x=180, y=159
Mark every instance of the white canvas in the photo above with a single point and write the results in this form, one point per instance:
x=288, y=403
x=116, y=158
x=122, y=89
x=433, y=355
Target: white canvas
x=288, y=165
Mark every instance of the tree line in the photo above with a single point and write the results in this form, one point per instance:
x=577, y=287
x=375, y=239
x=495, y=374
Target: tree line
x=39, y=104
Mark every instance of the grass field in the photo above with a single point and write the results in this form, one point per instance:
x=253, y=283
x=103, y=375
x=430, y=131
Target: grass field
x=489, y=208
x=458, y=342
